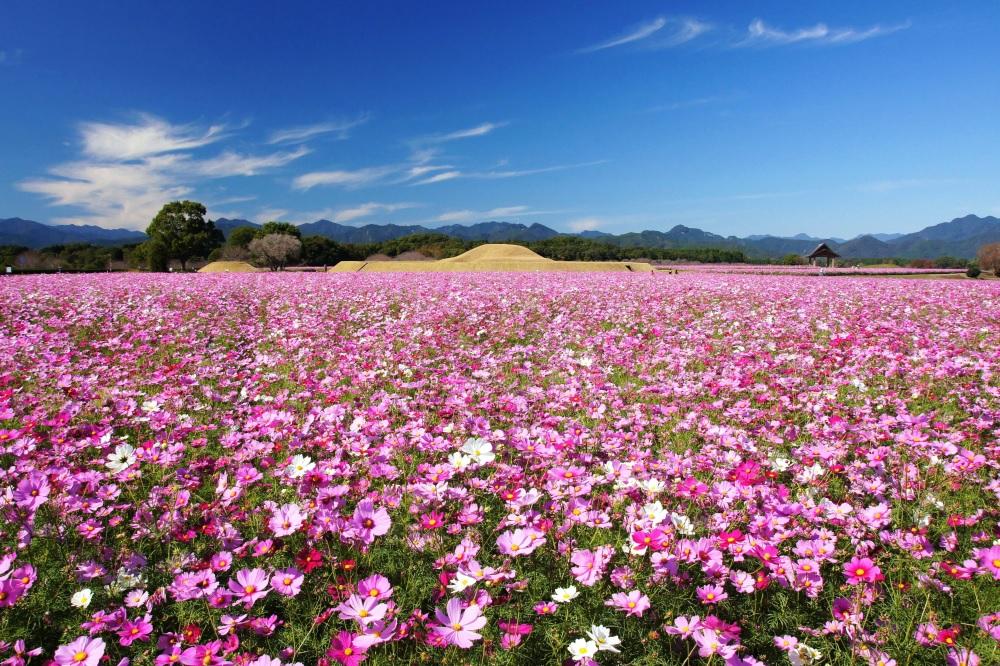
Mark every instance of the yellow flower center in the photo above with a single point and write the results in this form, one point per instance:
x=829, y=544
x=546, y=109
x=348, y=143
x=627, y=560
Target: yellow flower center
x=80, y=656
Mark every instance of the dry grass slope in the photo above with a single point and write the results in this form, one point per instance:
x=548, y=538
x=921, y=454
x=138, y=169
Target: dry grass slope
x=227, y=267
x=492, y=257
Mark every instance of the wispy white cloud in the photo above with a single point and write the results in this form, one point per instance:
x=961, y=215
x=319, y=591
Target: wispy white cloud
x=343, y=177
x=500, y=174
x=368, y=209
x=660, y=32
x=471, y=132
x=760, y=33
x=904, y=184
x=585, y=224
x=128, y=171
x=634, y=34
x=441, y=177
x=148, y=136
x=458, y=216
x=230, y=163
x=340, y=128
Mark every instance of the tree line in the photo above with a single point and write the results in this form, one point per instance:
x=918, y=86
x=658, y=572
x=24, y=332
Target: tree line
x=181, y=233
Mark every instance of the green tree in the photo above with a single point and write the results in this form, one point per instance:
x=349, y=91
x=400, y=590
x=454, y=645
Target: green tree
x=157, y=256
x=241, y=236
x=181, y=228
x=321, y=251
x=272, y=227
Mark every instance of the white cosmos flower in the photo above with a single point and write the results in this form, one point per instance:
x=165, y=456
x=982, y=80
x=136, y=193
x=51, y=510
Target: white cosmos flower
x=299, y=466
x=460, y=582
x=603, y=639
x=150, y=406
x=459, y=460
x=682, y=524
x=121, y=459
x=652, y=486
x=582, y=649
x=654, y=513
x=82, y=598
x=479, y=450
x=564, y=595
x=781, y=464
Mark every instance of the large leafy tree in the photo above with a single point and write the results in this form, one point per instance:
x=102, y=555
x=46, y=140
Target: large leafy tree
x=181, y=228
x=241, y=236
x=274, y=227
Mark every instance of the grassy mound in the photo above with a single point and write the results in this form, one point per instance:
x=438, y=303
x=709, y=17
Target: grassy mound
x=227, y=267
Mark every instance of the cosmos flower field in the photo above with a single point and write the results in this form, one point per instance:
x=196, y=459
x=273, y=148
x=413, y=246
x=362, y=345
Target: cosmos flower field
x=498, y=469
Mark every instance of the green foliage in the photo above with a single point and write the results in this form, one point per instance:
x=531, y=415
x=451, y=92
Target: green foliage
x=321, y=251
x=973, y=271
x=157, y=256
x=182, y=230
x=273, y=227
x=8, y=253
x=241, y=236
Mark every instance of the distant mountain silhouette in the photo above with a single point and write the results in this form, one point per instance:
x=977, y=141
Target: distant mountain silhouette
x=18, y=231
x=960, y=237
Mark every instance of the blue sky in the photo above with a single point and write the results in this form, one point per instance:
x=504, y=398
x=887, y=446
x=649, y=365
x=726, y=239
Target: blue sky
x=832, y=118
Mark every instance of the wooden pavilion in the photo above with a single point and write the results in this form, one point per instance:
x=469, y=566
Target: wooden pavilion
x=823, y=251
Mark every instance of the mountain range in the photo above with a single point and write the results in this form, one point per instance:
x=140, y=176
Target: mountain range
x=960, y=237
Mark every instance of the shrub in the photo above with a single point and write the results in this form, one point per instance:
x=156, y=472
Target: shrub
x=973, y=271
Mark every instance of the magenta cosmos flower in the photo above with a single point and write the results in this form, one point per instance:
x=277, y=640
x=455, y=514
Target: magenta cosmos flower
x=459, y=626
x=83, y=651
x=861, y=570
x=346, y=650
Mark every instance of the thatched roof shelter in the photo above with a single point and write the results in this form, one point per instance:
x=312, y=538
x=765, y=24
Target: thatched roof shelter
x=823, y=251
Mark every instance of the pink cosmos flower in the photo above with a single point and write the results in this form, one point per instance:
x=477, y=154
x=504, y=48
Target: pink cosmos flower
x=457, y=626
x=286, y=520
x=712, y=594
x=546, y=608
x=287, y=582
x=683, y=626
x=364, y=610
x=32, y=491
x=710, y=642
x=250, y=586
x=589, y=565
x=376, y=587
x=989, y=560
x=210, y=654
x=654, y=539
x=961, y=657
x=861, y=570
x=369, y=522
x=432, y=521
x=81, y=652
x=135, y=630
x=346, y=650
x=520, y=542
x=633, y=603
